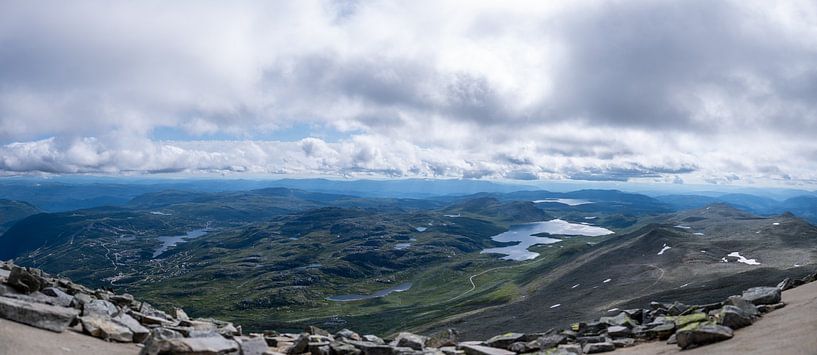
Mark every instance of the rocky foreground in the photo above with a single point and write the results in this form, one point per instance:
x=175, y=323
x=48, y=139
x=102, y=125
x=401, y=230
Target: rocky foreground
x=32, y=297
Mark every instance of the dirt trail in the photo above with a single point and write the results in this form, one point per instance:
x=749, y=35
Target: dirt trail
x=20, y=339
x=790, y=331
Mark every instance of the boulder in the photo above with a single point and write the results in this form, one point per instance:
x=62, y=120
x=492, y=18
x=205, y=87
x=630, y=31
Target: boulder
x=661, y=331
x=123, y=300
x=140, y=333
x=409, y=340
x=702, y=334
x=251, y=345
x=746, y=306
x=373, y=339
x=192, y=346
x=370, y=348
x=570, y=349
x=551, y=341
x=624, y=342
x=299, y=344
x=180, y=314
x=99, y=308
x=734, y=317
x=766, y=308
x=622, y=319
x=504, y=340
x=105, y=328
x=682, y=321
x=312, y=330
x=344, y=349
x=53, y=318
x=523, y=347
x=60, y=298
x=594, y=348
x=348, y=334
x=619, y=331
x=25, y=280
x=762, y=295
x=591, y=339
x=448, y=337
x=474, y=349
x=786, y=284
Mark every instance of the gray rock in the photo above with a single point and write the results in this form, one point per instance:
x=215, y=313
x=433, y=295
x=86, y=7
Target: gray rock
x=619, y=331
x=192, y=346
x=786, y=284
x=523, y=347
x=570, y=349
x=451, y=350
x=409, y=340
x=370, y=348
x=79, y=300
x=299, y=344
x=180, y=314
x=348, y=334
x=594, y=348
x=762, y=295
x=25, y=280
x=312, y=330
x=624, y=342
x=229, y=330
x=99, y=308
x=105, y=328
x=662, y=331
x=672, y=339
x=474, y=349
x=140, y=333
x=53, y=318
x=251, y=345
x=734, y=317
x=551, y=341
x=60, y=298
x=504, y=340
x=621, y=319
x=702, y=335
x=746, y=306
x=123, y=300
x=344, y=349
x=766, y=308
x=591, y=339
x=373, y=339
x=448, y=337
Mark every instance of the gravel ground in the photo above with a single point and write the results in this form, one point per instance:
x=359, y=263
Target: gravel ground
x=790, y=331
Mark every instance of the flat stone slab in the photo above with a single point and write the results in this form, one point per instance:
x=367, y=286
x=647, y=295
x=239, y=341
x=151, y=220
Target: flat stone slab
x=473, y=349
x=38, y=315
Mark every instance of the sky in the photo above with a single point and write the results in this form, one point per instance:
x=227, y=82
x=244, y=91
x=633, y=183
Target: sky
x=675, y=92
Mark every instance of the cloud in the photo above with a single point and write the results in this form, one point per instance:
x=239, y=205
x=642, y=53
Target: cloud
x=601, y=90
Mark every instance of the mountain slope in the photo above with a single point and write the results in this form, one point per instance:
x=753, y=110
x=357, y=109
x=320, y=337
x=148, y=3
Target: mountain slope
x=657, y=258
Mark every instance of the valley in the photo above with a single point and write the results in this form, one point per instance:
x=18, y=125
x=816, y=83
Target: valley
x=280, y=258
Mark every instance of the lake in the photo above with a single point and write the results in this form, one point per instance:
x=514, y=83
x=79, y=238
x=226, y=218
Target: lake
x=524, y=234
x=564, y=201
x=171, y=241
x=382, y=293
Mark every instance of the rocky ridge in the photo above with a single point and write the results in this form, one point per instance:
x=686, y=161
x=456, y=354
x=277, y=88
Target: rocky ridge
x=32, y=297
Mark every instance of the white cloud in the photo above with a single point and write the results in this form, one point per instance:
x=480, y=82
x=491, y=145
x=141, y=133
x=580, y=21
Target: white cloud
x=695, y=91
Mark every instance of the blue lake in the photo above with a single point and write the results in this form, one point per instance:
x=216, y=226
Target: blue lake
x=171, y=241
x=524, y=235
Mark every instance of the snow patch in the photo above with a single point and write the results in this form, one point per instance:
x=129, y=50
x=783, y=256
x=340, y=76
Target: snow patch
x=612, y=309
x=742, y=259
x=158, y=213
x=576, y=285
x=606, y=281
x=556, y=305
x=684, y=285
x=776, y=223
x=665, y=248
x=683, y=227
x=698, y=233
